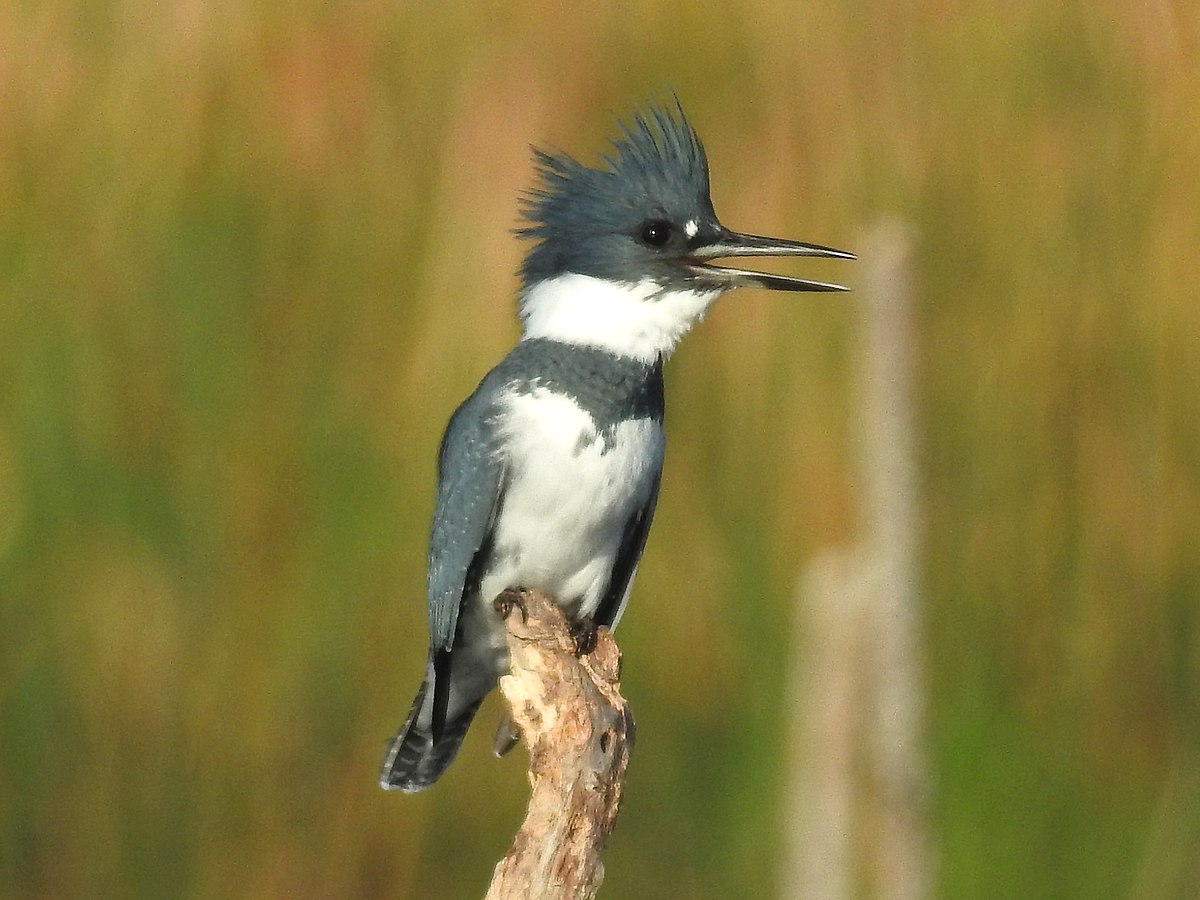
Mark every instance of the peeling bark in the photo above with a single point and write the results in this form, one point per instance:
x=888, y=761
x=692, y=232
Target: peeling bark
x=578, y=729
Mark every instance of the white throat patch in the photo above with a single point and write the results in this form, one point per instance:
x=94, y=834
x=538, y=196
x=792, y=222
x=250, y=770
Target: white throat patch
x=642, y=320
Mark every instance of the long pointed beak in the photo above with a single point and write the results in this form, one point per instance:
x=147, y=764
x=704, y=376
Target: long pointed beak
x=730, y=243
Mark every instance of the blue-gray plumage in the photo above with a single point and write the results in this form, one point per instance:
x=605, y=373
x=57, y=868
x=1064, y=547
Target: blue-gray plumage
x=548, y=473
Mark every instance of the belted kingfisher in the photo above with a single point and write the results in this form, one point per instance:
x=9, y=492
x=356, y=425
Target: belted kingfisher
x=548, y=473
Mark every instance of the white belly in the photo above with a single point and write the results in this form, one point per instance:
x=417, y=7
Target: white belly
x=570, y=493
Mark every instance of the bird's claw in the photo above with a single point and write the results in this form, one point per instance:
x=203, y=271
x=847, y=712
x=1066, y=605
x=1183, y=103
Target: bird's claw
x=584, y=632
x=506, y=601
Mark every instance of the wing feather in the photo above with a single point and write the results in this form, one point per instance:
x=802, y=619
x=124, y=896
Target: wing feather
x=471, y=476
x=633, y=542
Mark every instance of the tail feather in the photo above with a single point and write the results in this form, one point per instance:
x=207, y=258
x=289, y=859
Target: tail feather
x=415, y=758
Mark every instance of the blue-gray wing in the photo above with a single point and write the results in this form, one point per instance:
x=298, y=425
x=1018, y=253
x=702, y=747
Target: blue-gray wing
x=629, y=554
x=470, y=485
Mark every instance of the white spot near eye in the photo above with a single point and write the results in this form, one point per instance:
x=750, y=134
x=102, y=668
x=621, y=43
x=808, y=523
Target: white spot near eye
x=690, y=228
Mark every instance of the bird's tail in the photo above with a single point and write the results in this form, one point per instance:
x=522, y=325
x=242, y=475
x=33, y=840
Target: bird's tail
x=416, y=758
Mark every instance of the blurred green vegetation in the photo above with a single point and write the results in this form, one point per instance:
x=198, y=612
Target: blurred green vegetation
x=252, y=255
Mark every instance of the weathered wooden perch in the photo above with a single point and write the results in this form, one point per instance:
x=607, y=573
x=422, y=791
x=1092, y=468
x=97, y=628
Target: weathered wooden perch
x=578, y=729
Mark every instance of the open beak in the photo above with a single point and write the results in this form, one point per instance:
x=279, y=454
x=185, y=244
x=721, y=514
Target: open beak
x=730, y=243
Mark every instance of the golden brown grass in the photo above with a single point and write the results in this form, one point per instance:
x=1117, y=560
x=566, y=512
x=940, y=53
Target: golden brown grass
x=250, y=259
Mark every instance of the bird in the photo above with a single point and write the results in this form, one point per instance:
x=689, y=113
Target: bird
x=549, y=472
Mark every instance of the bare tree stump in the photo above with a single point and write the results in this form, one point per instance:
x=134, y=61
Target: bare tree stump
x=860, y=811
x=579, y=732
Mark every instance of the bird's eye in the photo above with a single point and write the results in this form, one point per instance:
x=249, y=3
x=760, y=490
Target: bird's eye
x=655, y=233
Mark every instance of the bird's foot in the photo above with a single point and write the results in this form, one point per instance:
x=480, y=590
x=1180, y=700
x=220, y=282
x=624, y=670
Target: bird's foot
x=584, y=633
x=510, y=599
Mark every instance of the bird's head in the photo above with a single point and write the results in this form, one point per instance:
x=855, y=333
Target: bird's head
x=628, y=245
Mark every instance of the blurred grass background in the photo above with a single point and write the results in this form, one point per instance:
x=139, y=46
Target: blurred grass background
x=251, y=256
